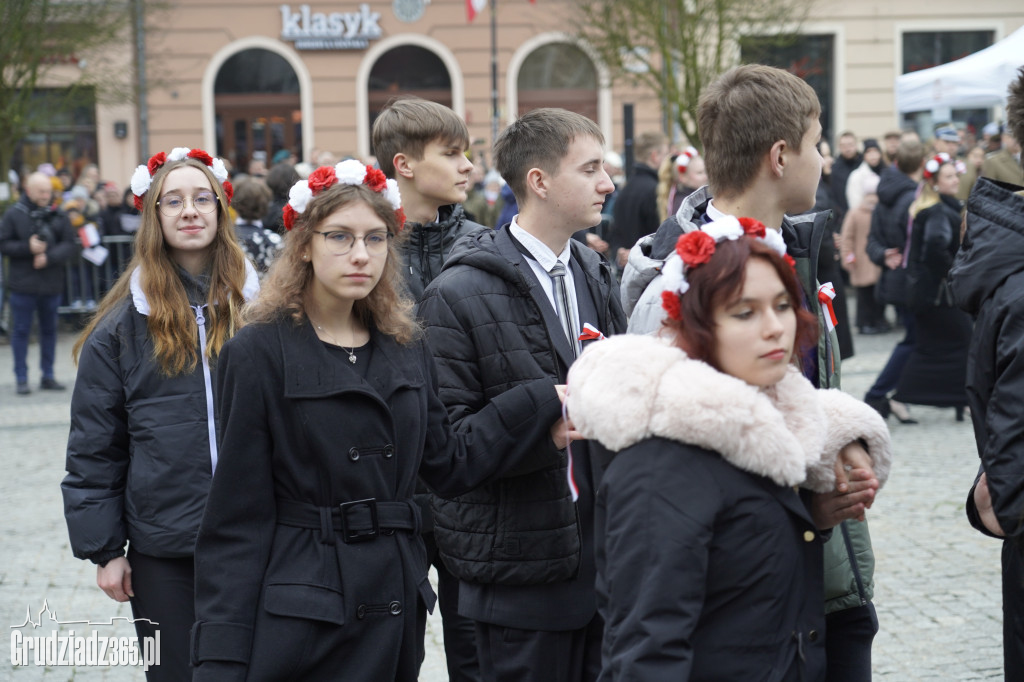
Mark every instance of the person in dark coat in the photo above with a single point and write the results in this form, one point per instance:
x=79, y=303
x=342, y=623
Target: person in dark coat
x=279, y=179
x=887, y=241
x=141, y=450
x=261, y=244
x=422, y=145
x=38, y=240
x=716, y=412
x=937, y=367
x=847, y=161
x=636, y=205
x=309, y=560
x=522, y=545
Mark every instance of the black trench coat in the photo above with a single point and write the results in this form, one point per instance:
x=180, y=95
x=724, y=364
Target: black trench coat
x=285, y=590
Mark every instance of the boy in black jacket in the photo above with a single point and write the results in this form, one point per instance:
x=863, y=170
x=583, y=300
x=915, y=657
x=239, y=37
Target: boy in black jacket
x=511, y=306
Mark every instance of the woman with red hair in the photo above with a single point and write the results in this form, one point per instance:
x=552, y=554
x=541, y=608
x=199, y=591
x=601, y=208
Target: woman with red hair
x=709, y=547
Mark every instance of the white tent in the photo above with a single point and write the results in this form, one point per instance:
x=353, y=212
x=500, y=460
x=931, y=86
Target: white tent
x=977, y=80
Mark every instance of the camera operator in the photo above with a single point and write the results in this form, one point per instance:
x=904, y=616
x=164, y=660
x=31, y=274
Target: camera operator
x=39, y=240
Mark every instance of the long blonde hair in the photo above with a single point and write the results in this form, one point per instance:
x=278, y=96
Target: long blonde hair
x=666, y=181
x=171, y=322
x=283, y=292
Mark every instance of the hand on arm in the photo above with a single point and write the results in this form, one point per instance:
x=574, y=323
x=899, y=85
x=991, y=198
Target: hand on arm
x=893, y=258
x=36, y=245
x=855, y=490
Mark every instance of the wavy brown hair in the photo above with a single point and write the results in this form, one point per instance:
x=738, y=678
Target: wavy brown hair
x=171, y=321
x=283, y=292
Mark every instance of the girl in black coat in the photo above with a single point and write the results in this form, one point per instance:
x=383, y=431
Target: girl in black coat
x=141, y=451
x=309, y=563
x=709, y=560
x=936, y=370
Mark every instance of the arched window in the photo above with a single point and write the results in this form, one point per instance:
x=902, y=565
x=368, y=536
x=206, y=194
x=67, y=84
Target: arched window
x=256, y=96
x=408, y=70
x=558, y=75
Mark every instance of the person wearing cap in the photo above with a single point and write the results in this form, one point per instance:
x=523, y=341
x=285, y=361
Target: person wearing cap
x=890, y=143
x=1004, y=165
x=872, y=164
x=947, y=140
x=990, y=137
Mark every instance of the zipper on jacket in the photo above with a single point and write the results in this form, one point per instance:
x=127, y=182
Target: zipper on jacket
x=210, y=424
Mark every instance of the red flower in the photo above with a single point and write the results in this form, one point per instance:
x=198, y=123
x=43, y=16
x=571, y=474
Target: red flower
x=322, y=178
x=400, y=214
x=200, y=155
x=695, y=247
x=137, y=201
x=155, y=162
x=789, y=259
x=289, y=216
x=375, y=179
x=670, y=302
x=752, y=227
x=229, y=191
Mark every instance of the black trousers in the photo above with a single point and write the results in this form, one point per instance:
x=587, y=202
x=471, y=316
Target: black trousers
x=1013, y=608
x=459, y=632
x=848, y=637
x=513, y=655
x=165, y=594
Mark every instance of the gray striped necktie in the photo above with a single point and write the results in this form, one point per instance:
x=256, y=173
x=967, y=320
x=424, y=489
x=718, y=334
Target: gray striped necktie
x=563, y=306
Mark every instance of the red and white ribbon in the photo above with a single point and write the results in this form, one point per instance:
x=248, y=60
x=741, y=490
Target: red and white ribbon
x=590, y=333
x=827, y=292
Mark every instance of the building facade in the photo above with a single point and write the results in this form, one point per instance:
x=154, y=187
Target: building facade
x=250, y=77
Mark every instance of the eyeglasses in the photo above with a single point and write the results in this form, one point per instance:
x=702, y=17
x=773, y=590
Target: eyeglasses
x=172, y=205
x=339, y=243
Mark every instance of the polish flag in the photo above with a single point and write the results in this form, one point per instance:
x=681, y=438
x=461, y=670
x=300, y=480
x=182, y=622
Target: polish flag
x=474, y=7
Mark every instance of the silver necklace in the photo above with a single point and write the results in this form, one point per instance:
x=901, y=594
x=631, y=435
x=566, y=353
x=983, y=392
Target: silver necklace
x=351, y=351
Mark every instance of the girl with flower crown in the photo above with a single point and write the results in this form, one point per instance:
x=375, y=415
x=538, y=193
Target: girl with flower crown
x=309, y=562
x=936, y=371
x=141, y=452
x=709, y=544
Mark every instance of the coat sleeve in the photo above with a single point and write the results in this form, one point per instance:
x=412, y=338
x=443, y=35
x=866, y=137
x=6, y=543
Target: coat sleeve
x=849, y=420
x=1002, y=453
x=876, y=245
x=509, y=434
x=98, y=452
x=481, y=421
x=235, y=536
x=11, y=242
x=64, y=247
x=937, y=236
x=846, y=243
x=653, y=566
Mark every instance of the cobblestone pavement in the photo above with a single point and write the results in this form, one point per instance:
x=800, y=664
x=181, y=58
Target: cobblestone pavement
x=937, y=581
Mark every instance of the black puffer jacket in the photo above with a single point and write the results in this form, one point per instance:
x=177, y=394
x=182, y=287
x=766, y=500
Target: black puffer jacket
x=636, y=208
x=139, y=457
x=488, y=335
x=17, y=227
x=987, y=281
x=428, y=245
x=933, y=245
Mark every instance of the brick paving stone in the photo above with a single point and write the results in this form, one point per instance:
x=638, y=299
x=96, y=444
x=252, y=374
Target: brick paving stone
x=937, y=584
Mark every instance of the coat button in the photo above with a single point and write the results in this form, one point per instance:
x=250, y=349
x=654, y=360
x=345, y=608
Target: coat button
x=395, y=608
x=353, y=454
x=809, y=536
x=812, y=636
x=389, y=451
x=361, y=611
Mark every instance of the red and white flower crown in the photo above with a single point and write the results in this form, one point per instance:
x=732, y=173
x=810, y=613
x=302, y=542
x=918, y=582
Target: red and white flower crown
x=685, y=157
x=932, y=166
x=350, y=172
x=142, y=178
x=696, y=248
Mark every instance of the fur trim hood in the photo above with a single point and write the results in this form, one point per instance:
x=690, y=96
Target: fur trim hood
x=249, y=289
x=629, y=388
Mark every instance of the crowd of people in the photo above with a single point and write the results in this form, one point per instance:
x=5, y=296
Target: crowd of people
x=605, y=410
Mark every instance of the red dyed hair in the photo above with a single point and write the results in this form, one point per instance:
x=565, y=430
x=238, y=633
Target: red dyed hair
x=719, y=281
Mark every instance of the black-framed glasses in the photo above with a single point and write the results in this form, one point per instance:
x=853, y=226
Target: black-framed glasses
x=339, y=243
x=172, y=205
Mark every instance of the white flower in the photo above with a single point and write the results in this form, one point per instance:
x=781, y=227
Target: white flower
x=299, y=196
x=724, y=228
x=350, y=172
x=219, y=170
x=773, y=238
x=672, y=274
x=178, y=153
x=932, y=166
x=141, y=180
x=391, y=194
